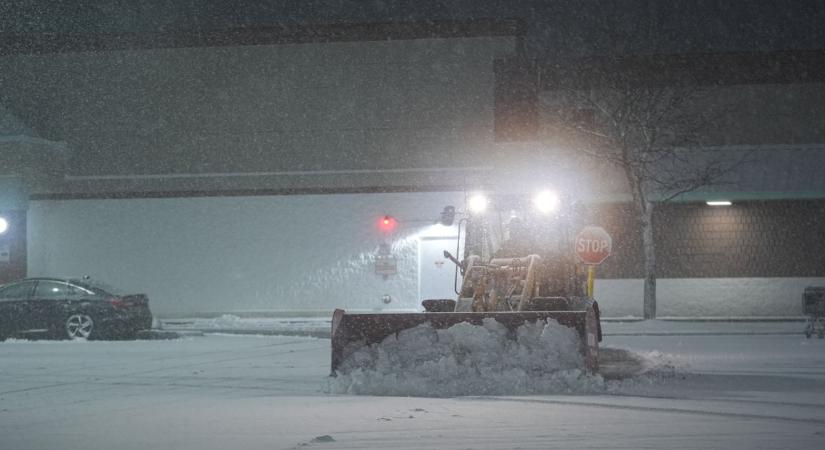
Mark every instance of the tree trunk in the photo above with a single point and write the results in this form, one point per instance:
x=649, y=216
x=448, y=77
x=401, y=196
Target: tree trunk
x=649, y=261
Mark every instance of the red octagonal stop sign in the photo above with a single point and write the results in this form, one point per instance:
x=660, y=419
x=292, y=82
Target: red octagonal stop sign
x=593, y=245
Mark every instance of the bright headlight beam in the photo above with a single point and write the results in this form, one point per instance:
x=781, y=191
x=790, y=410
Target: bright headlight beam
x=546, y=202
x=719, y=203
x=478, y=203
x=4, y=225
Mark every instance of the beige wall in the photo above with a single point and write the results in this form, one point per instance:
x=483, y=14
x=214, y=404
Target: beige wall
x=302, y=107
x=766, y=114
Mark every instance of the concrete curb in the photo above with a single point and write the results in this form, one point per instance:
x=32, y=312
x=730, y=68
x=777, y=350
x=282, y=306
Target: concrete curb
x=710, y=319
x=300, y=333
x=709, y=333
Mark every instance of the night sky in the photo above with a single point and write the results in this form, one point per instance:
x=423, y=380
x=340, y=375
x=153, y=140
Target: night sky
x=555, y=28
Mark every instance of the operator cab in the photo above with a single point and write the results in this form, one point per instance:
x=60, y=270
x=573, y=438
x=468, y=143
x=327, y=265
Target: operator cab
x=518, y=255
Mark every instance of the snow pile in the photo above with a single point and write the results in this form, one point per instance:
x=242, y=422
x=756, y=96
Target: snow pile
x=465, y=359
x=44, y=341
x=222, y=322
x=636, y=373
x=233, y=322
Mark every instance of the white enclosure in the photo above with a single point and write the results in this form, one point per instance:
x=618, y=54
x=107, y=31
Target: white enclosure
x=238, y=254
x=313, y=253
x=437, y=274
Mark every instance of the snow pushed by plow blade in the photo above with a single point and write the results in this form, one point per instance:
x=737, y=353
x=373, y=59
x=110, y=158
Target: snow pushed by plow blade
x=541, y=357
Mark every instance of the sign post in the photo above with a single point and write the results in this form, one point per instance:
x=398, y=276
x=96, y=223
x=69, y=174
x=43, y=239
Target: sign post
x=593, y=246
x=591, y=280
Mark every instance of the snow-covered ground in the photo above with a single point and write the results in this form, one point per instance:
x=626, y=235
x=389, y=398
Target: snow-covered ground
x=320, y=326
x=268, y=392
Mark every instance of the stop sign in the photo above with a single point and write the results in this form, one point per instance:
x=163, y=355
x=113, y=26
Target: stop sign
x=593, y=245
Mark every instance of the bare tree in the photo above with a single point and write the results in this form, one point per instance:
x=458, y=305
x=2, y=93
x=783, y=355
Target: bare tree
x=652, y=134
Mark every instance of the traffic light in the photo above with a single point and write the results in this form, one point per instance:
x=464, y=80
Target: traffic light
x=447, y=216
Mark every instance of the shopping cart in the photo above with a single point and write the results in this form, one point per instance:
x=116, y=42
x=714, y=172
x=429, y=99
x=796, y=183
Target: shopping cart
x=813, y=306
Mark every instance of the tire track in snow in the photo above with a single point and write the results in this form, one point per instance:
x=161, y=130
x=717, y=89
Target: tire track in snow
x=187, y=365
x=34, y=388
x=86, y=368
x=651, y=409
x=725, y=400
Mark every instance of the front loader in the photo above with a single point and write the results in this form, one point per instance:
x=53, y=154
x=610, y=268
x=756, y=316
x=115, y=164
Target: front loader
x=518, y=266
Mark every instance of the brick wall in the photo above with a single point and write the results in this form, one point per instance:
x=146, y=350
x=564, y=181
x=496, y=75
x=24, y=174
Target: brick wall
x=747, y=239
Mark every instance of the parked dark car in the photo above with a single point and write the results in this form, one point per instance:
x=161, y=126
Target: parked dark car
x=70, y=308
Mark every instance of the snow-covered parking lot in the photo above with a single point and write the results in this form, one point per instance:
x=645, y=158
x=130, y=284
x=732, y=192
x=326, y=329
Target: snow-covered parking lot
x=268, y=392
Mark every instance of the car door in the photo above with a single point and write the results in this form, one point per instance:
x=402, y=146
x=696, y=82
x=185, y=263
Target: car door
x=13, y=309
x=49, y=304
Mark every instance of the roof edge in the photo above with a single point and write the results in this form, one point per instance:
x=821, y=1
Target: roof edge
x=45, y=43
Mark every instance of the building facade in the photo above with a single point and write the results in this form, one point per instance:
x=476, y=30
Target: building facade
x=247, y=172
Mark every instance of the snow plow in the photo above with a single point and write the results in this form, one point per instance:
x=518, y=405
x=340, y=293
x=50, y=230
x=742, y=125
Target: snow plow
x=518, y=272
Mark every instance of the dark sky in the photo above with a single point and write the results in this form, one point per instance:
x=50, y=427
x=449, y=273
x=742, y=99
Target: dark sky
x=555, y=28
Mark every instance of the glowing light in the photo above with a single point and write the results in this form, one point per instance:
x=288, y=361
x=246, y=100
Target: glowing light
x=719, y=203
x=478, y=203
x=546, y=202
x=387, y=223
x=4, y=225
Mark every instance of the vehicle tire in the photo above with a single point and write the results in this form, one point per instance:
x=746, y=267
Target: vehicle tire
x=548, y=304
x=438, y=305
x=128, y=334
x=79, y=326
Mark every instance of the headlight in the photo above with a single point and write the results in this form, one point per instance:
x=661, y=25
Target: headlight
x=478, y=203
x=546, y=202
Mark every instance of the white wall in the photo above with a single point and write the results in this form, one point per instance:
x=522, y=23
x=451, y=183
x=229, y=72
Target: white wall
x=707, y=297
x=308, y=253
x=232, y=254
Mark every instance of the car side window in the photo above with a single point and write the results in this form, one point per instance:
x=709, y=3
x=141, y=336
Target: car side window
x=16, y=291
x=51, y=289
x=79, y=291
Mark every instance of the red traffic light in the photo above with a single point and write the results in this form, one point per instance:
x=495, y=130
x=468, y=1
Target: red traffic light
x=387, y=223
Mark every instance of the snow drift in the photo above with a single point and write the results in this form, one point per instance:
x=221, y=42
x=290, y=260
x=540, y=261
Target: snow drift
x=465, y=359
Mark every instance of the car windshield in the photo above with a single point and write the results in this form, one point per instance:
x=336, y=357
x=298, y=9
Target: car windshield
x=412, y=224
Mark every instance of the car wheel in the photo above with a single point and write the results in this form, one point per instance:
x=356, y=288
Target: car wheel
x=79, y=326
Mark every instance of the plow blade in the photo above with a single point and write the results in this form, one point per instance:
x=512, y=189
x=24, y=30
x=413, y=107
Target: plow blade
x=374, y=328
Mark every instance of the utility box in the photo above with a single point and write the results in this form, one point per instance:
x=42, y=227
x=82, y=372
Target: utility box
x=813, y=301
